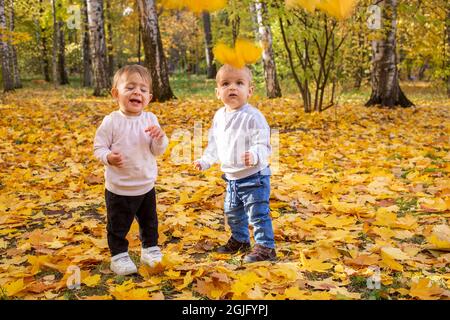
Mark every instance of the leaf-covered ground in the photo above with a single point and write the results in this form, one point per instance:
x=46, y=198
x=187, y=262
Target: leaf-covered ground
x=360, y=204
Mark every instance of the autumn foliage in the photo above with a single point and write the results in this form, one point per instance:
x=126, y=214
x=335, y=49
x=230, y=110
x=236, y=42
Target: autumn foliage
x=360, y=203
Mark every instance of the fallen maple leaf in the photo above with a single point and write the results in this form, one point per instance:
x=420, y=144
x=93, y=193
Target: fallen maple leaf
x=92, y=281
x=14, y=287
x=425, y=289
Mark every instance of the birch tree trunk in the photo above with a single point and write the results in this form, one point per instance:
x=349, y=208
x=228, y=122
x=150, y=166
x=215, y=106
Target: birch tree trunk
x=270, y=71
x=87, y=61
x=386, y=89
x=155, y=60
x=211, y=66
x=62, y=70
x=7, y=75
x=13, y=51
x=98, y=46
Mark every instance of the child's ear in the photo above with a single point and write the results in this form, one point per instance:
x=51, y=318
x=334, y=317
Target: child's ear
x=251, y=89
x=150, y=97
x=217, y=93
x=114, y=93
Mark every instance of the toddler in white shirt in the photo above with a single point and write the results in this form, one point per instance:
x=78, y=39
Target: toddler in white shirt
x=240, y=140
x=127, y=143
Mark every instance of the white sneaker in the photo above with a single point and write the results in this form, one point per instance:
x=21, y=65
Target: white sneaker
x=151, y=256
x=122, y=265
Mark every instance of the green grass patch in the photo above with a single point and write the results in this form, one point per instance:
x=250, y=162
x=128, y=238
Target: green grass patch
x=405, y=206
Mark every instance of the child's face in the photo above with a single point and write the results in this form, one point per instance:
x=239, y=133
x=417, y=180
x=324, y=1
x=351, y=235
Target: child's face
x=233, y=88
x=132, y=94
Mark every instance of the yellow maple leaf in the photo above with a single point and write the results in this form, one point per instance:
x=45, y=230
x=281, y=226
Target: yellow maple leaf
x=199, y=6
x=92, y=281
x=172, y=274
x=433, y=204
x=395, y=253
x=133, y=294
x=294, y=293
x=125, y=286
x=244, y=52
x=440, y=237
x=13, y=288
x=171, y=259
x=346, y=207
x=314, y=265
x=248, y=51
x=390, y=262
x=385, y=217
x=425, y=289
x=333, y=221
x=308, y=5
x=104, y=297
x=340, y=9
x=288, y=271
x=226, y=55
x=196, y=6
x=37, y=262
x=245, y=282
x=408, y=222
x=3, y=244
x=186, y=281
x=318, y=295
x=173, y=4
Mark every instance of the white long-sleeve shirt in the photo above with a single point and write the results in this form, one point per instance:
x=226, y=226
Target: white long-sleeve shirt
x=126, y=135
x=231, y=135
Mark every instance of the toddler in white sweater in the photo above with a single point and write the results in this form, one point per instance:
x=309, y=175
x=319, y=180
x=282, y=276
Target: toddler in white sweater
x=239, y=140
x=127, y=143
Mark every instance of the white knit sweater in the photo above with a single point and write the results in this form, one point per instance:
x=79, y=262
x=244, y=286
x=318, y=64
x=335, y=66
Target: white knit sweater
x=234, y=133
x=126, y=135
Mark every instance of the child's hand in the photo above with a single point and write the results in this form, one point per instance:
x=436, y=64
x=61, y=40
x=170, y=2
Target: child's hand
x=197, y=165
x=248, y=159
x=155, y=132
x=115, y=159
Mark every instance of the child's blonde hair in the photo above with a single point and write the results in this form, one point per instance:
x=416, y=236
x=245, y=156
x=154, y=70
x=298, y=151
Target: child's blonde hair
x=230, y=68
x=131, y=69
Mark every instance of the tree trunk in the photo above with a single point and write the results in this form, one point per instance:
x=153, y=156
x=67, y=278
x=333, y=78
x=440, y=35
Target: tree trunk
x=7, y=75
x=359, y=72
x=42, y=42
x=13, y=51
x=139, y=44
x=235, y=27
x=422, y=69
x=386, y=89
x=211, y=66
x=270, y=71
x=110, y=39
x=55, y=45
x=303, y=86
x=155, y=60
x=98, y=46
x=87, y=61
x=62, y=70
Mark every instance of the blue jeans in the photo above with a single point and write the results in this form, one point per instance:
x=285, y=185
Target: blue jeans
x=247, y=200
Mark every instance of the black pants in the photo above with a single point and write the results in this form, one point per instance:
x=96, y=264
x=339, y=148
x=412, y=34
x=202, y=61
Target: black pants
x=121, y=211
